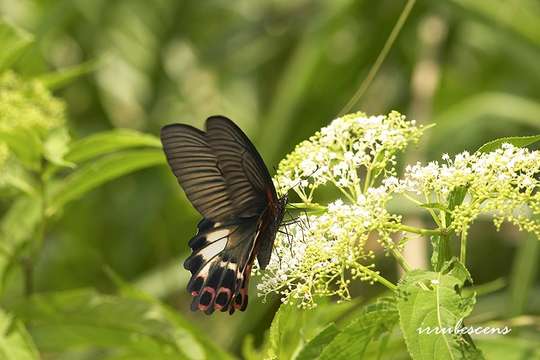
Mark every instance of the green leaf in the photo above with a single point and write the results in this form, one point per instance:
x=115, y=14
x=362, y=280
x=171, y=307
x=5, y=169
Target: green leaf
x=456, y=269
x=284, y=336
x=249, y=352
x=25, y=145
x=313, y=348
x=19, y=221
x=82, y=319
x=107, y=142
x=370, y=325
x=16, y=229
x=163, y=280
x=503, y=16
x=56, y=147
x=14, y=176
x=13, y=42
x=518, y=141
x=293, y=328
x=62, y=77
x=431, y=301
x=480, y=111
x=128, y=290
x=15, y=342
x=96, y=173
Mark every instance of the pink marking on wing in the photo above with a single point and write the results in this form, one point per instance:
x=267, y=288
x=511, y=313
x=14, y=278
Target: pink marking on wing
x=212, y=293
x=222, y=290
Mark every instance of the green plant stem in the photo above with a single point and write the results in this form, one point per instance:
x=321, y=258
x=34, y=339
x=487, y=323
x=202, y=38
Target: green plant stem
x=435, y=217
x=375, y=276
x=419, y=231
x=463, y=248
x=444, y=251
x=29, y=261
x=404, y=264
x=486, y=288
x=345, y=193
x=380, y=59
x=408, y=197
x=367, y=180
x=444, y=245
x=401, y=260
x=306, y=206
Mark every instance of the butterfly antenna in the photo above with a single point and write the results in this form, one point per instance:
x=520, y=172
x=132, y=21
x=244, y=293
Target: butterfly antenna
x=299, y=181
x=296, y=219
x=303, y=210
x=289, y=241
x=307, y=218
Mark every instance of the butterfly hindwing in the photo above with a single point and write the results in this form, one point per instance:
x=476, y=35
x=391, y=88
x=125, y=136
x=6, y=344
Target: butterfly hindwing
x=219, y=264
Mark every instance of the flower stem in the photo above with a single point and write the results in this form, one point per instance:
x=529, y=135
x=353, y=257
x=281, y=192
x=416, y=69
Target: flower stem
x=367, y=180
x=419, y=231
x=375, y=276
x=401, y=260
x=407, y=196
x=306, y=206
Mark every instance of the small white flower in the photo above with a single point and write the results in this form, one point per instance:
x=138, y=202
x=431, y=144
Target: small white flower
x=308, y=166
x=492, y=181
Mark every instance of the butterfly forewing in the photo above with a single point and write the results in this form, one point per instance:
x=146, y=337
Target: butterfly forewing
x=226, y=180
x=195, y=165
x=247, y=178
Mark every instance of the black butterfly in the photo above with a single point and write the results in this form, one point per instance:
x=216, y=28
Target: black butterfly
x=226, y=180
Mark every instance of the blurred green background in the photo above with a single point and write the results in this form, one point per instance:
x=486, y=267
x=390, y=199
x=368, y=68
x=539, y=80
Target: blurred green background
x=281, y=70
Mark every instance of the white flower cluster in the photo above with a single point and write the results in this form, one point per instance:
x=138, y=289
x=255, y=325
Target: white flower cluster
x=502, y=183
x=322, y=253
x=340, y=151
